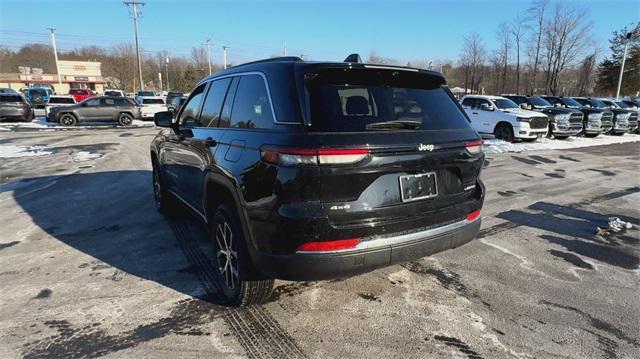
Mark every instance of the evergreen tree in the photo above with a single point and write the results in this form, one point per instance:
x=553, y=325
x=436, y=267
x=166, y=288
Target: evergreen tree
x=609, y=68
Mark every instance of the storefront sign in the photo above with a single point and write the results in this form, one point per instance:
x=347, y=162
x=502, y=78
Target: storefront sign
x=81, y=78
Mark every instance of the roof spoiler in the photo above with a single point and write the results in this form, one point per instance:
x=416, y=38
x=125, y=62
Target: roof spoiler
x=353, y=58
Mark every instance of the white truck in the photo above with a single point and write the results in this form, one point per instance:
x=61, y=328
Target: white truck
x=58, y=101
x=504, y=118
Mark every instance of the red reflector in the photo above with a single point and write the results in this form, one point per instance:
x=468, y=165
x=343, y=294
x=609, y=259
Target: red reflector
x=338, y=245
x=473, y=216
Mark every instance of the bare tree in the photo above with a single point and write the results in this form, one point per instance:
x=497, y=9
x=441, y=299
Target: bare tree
x=504, y=38
x=566, y=37
x=374, y=58
x=517, y=29
x=585, y=72
x=536, y=13
x=472, y=60
x=120, y=66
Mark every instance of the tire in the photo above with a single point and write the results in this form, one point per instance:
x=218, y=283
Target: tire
x=616, y=133
x=561, y=137
x=68, y=119
x=164, y=202
x=230, y=254
x=591, y=135
x=504, y=132
x=125, y=119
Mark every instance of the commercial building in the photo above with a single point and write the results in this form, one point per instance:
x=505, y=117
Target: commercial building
x=74, y=74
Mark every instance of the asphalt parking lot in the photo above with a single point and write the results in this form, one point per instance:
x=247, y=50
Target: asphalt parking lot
x=88, y=268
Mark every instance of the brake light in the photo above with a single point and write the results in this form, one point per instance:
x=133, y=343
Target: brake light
x=473, y=216
x=301, y=157
x=474, y=147
x=329, y=246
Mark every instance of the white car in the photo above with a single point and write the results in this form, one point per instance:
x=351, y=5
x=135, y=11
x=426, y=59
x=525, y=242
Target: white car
x=58, y=101
x=150, y=105
x=504, y=118
x=114, y=92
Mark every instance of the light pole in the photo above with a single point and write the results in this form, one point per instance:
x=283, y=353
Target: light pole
x=624, y=58
x=167, y=70
x=134, y=14
x=208, y=45
x=224, y=55
x=55, y=54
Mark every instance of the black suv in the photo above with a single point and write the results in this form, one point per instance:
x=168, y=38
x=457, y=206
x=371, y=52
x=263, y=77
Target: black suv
x=563, y=122
x=596, y=121
x=314, y=170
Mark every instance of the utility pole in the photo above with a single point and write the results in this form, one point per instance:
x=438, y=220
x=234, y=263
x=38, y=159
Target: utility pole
x=224, y=55
x=285, y=49
x=167, y=70
x=208, y=45
x=160, y=80
x=624, y=57
x=55, y=54
x=134, y=13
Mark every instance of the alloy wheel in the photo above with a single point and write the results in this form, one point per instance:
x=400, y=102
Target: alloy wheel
x=226, y=256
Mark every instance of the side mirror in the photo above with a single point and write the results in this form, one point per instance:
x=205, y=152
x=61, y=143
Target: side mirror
x=524, y=106
x=557, y=104
x=486, y=107
x=163, y=119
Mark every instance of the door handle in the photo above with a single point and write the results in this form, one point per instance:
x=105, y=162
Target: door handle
x=475, y=113
x=210, y=142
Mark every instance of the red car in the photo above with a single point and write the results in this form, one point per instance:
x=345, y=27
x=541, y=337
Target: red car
x=80, y=94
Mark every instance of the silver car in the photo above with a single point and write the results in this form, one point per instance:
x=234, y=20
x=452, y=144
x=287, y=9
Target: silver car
x=103, y=108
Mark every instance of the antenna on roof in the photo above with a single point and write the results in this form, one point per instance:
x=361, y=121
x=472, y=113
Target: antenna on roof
x=353, y=58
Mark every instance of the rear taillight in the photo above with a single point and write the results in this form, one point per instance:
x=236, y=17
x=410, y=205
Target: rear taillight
x=329, y=246
x=474, y=147
x=473, y=216
x=302, y=157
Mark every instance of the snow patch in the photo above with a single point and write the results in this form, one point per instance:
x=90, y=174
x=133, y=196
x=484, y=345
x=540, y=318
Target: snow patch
x=10, y=151
x=84, y=156
x=499, y=146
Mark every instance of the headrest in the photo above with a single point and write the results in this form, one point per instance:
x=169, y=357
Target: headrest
x=357, y=105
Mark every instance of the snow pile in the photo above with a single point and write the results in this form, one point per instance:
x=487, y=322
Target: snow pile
x=499, y=146
x=84, y=156
x=40, y=123
x=10, y=151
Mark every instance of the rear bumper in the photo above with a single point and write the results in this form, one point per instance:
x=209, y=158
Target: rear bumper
x=386, y=251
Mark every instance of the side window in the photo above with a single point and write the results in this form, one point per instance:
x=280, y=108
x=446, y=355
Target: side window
x=123, y=102
x=212, y=107
x=108, y=102
x=225, y=117
x=469, y=102
x=189, y=114
x=94, y=102
x=251, y=107
x=480, y=102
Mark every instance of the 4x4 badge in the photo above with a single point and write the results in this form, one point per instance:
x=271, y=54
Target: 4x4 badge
x=424, y=147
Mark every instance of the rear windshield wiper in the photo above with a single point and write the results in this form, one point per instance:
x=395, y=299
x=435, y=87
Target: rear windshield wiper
x=396, y=124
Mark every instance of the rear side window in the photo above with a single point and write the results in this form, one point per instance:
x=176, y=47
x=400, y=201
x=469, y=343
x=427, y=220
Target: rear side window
x=210, y=115
x=251, y=107
x=124, y=102
x=470, y=102
x=363, y=99
x=11, y=98
x=108, y=102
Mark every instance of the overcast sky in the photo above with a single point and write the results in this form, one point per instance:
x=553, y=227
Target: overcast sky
x=429, y=30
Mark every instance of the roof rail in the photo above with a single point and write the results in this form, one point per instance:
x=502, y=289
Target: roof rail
x=273, y=59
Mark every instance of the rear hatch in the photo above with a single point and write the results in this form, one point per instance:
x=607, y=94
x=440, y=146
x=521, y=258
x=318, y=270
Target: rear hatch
x=401, y=153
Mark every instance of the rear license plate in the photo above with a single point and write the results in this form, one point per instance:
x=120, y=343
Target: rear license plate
x=420, y=186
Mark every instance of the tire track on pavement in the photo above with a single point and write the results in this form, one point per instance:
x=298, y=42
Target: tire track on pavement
x=254, y=327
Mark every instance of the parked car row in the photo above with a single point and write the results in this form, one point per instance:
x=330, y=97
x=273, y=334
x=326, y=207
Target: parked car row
x=527, y=118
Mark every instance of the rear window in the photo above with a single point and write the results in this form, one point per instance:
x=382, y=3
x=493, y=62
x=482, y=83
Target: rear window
x=152, y=101
x=38, y=92
x=61, y=100
x=11, y=98
x=146, y=93
x=368, y=100
x=112, y=93
x=78, y=92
